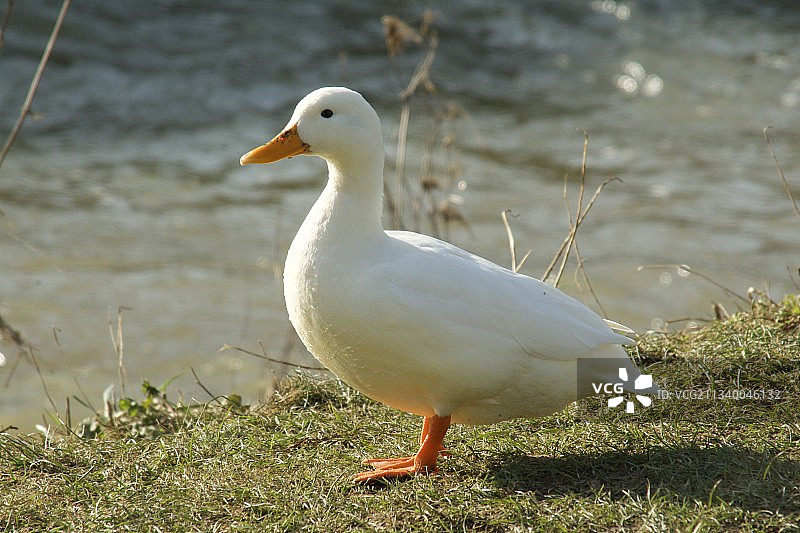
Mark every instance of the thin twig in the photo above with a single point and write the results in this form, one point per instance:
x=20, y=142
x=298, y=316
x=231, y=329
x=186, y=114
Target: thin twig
x=791, y=277
x=421, y=76
x=510, y=236
x=288, y=343
x=41, y=378
x=37, y=77
x=575, y=221
x=578, y=211
x=427, y=183
x=10, y=334
x=398, y=34
x=400, y=177
x=595, y=195
x=7, y=332
x=123, y=374
x=270, y=359
x=524, y=258
x=6, y=18
x=686, y=319
x=511, y=245
x=390, y=205
x=85, y=401
x=12, y=232
x=567, y=242
x=13, y=369
x=197, y=380
x=573, y=229
x=119, y=348
x=780, y=171
x=584, y=155
x=700, y=275
x=580, y=268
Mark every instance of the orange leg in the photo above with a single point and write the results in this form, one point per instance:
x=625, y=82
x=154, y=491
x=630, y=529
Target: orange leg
x=426, y=428
x=433, y=431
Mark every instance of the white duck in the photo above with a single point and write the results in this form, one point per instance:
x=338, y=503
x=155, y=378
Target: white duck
x=412, y=321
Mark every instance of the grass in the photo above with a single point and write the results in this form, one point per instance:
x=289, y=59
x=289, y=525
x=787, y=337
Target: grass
x=681, y=465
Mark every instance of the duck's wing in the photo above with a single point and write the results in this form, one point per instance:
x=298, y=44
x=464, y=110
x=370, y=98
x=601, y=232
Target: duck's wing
x=469, y=292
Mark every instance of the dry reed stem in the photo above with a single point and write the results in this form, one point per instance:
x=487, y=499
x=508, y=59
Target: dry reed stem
x=672, y=321
x=226, y=347
x=570, y=238
x=580, y=268
x=402, y=199
x=399, y=176
x=12, y=335
x=13, y=369
x=510, y=237
x=421, y=75
x=427, y=183
x=119, y=348
x=686, y=268
x=202, y=386
x=86, y=402
x=569, y=242
x=12, y=232
x=573, y=229
x=398, y=34
x=37, y=77
x=524, y=258
x=511, y=244
x=584, y=155
x=563, y=251
x=562, y=254
x=6, y=18
x=780, y=170
x=32, y=354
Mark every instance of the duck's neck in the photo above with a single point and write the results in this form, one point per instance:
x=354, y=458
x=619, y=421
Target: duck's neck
x=351, y=205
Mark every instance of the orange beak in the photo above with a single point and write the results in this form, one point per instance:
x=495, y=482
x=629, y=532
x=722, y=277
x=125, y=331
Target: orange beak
x=286, y=144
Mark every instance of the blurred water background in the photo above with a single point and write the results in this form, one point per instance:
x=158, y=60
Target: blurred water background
x=125, y=189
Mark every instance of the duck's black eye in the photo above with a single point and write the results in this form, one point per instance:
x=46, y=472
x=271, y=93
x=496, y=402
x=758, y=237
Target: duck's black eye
x=326, y=113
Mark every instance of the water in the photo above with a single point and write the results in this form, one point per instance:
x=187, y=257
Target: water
x=125, y=191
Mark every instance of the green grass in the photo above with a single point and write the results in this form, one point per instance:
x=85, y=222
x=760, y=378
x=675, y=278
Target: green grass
x=680, y=465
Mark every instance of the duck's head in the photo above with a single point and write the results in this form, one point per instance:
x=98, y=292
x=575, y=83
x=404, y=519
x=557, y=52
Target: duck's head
x=334, y=123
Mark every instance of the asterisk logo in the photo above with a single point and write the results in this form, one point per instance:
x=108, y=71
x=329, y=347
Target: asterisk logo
x=644, y=381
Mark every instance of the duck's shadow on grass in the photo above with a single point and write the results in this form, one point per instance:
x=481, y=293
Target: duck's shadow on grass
x=747, y=479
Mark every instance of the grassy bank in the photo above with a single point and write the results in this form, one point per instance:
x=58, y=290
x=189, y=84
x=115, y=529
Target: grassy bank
x=718, y=462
